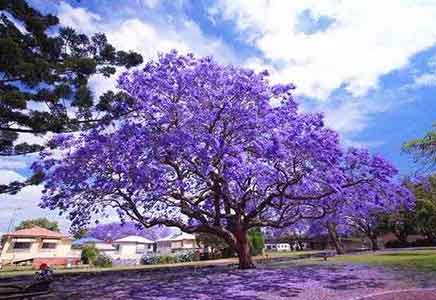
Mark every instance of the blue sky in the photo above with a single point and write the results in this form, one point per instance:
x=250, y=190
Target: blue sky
x=370, y=66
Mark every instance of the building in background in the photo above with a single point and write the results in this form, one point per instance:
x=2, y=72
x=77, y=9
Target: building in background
x=36, y=246
x=124, y=251
x=278, y=247
x=178, y=242
x=130, y=249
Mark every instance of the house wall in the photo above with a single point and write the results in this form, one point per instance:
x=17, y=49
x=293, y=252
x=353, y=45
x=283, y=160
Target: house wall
x=166, y=247
x=128, y=251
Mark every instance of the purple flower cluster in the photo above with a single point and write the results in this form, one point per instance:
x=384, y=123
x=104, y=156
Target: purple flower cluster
x=114, y=231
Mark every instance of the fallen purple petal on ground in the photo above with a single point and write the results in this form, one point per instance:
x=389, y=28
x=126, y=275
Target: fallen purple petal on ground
x=264, y=283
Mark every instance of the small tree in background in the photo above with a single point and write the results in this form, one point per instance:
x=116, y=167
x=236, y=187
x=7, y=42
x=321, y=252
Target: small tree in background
x=401, y=223
x=211, y=241
x=424, y=190
x=257, y=241
x=41, y=222
x=423, y=149
x=89, y=255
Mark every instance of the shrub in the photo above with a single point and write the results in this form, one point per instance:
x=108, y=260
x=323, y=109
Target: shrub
x=227, y=253
x=179, y=257
x=166, y=259
x=149, y=259
x=421, y=243
x=396, y=244
x=103, y=261
x=186, y=256
x=89, y=255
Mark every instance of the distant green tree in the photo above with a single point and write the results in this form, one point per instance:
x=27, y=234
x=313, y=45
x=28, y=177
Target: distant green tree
x=425, y=211
x=212, y=241
x=89, y=255
x=401, y=224
x=423, y=149
x=44, y=73
x=41, y=222
x=257, y=241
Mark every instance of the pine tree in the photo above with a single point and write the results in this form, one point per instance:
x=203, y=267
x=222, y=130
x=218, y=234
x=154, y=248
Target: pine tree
x=44, y=73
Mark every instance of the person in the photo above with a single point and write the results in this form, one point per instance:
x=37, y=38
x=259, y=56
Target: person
x=45, y=273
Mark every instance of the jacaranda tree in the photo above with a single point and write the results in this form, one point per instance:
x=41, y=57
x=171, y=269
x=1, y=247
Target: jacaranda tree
x=361, y=207
x=205, y=148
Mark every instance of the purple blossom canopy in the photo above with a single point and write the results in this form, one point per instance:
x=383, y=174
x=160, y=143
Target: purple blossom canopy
x=114, y=231
x=208, y=148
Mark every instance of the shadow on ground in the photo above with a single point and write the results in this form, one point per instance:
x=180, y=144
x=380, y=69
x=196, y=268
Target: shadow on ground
x=317, y=282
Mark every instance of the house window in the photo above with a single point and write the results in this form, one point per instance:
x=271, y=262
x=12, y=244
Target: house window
x=48, y=246
x=140, y=248
x=22, y=245
x=177, y=245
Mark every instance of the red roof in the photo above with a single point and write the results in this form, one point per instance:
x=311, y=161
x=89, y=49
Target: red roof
x=36, y=232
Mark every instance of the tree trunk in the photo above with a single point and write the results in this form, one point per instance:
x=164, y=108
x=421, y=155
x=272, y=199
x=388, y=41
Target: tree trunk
x=401, y=235
x=430, y=236
x=403, y=239
x=374, y=243
x=335, y=239
x=243, y=251
x=300, y=245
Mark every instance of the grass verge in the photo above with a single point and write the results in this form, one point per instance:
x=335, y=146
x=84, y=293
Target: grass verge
x=421, y=260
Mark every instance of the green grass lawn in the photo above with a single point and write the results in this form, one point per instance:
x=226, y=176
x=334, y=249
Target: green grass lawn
x=423, y=260
x=290, y=253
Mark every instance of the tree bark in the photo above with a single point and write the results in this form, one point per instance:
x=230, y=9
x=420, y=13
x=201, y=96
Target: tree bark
x=299, y=246
x=335, y=239
x=430, y=236
x=243, y=250
x=374, y=243
x=401, y=235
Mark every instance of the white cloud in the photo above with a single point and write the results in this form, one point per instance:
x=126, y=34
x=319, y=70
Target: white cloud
x=366, y=40
x=431, y=63
x=149, y=39
x=150, y=3
x=351, y=116
x=425, y=79
x=428, y=79
x=77, y=18
x=145, y=37
x=7, y=176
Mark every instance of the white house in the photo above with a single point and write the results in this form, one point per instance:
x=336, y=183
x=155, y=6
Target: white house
x=132, y=247
x=278, y=247
x=179, y=242
x=126, y=251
